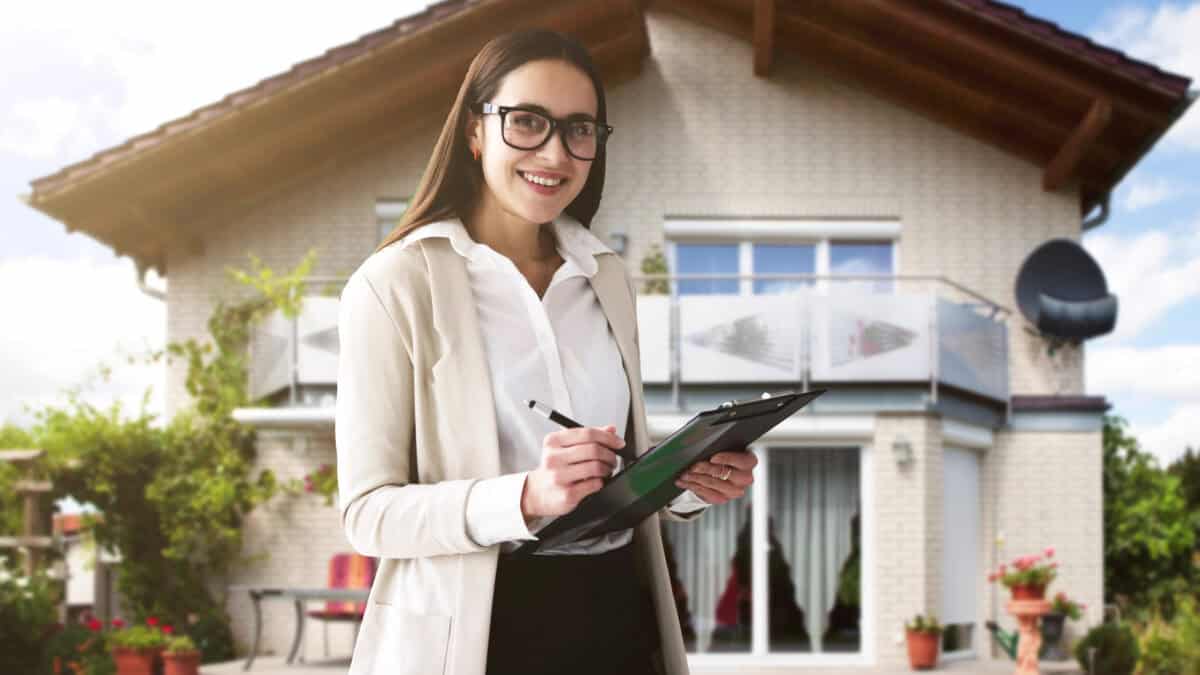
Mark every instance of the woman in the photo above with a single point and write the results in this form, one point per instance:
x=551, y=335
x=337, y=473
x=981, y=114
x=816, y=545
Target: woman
x=492, y=291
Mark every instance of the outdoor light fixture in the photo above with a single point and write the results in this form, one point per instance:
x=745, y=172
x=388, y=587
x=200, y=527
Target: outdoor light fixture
x=617, y=241
x=903, y=451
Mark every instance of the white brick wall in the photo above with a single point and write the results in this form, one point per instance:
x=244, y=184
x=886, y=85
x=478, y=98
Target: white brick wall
x=908, y=528
x=699, y=135
x=1045, y=489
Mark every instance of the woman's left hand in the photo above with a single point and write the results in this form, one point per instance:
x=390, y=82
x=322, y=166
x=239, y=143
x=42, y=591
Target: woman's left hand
x=723, y=477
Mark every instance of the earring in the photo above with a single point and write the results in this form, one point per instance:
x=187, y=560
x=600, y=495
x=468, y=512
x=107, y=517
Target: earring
x=475, y=153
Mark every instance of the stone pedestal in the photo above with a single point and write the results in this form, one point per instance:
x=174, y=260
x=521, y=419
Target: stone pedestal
x=1029, y=643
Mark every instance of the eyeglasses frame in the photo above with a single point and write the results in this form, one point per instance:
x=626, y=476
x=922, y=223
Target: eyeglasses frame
x=603, y=131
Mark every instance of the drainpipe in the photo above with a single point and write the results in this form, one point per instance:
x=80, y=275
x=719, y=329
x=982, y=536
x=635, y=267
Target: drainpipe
x=143, y=286
x=1102, y=217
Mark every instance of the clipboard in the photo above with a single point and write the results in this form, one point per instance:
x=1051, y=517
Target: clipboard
x=646, y=485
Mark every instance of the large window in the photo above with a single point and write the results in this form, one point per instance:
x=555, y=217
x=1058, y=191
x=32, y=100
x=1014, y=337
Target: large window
x=812, y=538
x=853, y=260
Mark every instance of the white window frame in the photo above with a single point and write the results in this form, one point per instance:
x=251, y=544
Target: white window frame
x=746, y=233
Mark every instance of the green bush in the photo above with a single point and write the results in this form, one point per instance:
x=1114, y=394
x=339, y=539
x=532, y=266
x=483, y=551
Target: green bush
x=1116, y=649
x=76, y=644
x=1162, y=651
x=28, y=619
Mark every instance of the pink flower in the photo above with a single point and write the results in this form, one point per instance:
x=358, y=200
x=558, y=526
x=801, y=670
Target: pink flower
x=1003, y=569
x=95, y=625
x=168, y=629
x=118, y=623
x=152, y=621
x=992, y=578
x=1050, y=552
x=1053, y=565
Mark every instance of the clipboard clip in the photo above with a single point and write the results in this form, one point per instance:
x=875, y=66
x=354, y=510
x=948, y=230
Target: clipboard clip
x=730, y=403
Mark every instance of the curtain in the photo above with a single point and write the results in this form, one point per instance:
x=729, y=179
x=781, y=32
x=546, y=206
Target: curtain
x=814, y=497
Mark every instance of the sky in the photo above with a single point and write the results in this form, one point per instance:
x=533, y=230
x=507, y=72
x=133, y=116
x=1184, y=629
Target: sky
x=115, y=70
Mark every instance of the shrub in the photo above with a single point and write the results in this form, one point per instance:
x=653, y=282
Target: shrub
x=1162, y=651
x=1116, y=649
x=28, y=619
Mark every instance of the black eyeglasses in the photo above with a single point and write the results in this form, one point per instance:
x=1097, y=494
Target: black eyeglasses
x=526, y=129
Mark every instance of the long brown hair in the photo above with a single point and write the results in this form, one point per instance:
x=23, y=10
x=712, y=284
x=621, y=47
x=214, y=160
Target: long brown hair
x=453, y=181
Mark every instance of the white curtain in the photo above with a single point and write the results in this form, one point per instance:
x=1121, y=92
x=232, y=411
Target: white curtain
x=704, y=558
x=814, y=497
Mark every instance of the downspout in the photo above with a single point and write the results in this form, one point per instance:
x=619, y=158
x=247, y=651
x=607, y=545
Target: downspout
x=143, y=286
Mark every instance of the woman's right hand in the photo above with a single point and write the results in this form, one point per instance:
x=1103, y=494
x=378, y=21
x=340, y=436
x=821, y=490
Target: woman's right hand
x=574, y=464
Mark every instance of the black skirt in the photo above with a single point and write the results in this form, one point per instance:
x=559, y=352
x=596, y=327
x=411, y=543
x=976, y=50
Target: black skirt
x=573, y=614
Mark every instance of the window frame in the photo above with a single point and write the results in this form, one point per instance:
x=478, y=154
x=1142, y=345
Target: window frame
x=822, y=234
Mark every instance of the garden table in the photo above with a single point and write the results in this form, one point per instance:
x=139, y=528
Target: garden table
x=298, y=596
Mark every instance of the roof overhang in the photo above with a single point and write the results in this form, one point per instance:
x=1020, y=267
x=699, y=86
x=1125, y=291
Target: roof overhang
x=1084, y=113
x=221, y=160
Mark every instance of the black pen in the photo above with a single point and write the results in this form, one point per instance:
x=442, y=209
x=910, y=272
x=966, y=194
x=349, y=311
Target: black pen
x=625, y=452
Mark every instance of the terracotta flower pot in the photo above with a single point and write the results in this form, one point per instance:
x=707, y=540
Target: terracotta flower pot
x=1023, y=592
x=923, y=649
x=134, y=661
x=182, y=663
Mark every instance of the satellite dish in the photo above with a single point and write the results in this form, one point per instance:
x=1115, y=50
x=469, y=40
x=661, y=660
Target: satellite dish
x=1061, y=290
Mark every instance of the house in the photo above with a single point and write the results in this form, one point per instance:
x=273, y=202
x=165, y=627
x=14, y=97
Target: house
x=908, y=156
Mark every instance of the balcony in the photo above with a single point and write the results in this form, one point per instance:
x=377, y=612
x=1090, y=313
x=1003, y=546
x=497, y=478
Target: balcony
x=728, y=329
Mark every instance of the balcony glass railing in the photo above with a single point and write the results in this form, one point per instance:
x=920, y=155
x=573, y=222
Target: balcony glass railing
x=767, y=328
x=803, y=328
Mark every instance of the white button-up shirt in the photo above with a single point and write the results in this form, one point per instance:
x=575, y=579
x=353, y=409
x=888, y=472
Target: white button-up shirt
x=557, y=350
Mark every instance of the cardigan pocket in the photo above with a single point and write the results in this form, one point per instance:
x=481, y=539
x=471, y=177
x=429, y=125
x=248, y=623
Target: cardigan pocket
x=394, y=641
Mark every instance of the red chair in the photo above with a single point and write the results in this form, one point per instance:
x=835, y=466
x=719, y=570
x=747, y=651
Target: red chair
x=346, y=570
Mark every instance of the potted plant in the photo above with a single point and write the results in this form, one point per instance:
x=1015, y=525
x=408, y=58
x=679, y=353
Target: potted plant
x=136, y=648
x=1052, y=624
x=181, y=657
x=1029, y=575
x=924, y=636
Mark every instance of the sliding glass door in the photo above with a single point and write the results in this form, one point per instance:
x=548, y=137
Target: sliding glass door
x=812, y=537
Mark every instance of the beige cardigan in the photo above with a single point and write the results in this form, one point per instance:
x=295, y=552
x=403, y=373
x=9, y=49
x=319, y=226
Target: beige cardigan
x=415, y=427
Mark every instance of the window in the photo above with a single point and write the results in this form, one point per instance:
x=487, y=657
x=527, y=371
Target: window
x=387, y=216
x=708, y=259
x=826, y=257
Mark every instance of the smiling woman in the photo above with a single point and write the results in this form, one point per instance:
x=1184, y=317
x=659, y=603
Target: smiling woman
x=492, y=290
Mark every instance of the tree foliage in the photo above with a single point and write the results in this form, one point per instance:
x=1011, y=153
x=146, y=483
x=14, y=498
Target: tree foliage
x=172, y=496
x=1149, y=533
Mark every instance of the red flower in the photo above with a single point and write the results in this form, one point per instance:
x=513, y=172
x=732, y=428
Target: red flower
x=95, y=625
x=152, y=621
x=168, y=629
x=117, y=623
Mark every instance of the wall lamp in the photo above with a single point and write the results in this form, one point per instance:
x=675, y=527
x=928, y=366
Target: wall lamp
x=903, y=452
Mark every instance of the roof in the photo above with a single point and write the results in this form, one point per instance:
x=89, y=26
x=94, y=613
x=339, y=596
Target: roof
x=137, y=195
x=1016, y=19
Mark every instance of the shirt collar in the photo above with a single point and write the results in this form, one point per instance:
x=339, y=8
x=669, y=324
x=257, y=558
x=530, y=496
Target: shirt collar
x=574, y=242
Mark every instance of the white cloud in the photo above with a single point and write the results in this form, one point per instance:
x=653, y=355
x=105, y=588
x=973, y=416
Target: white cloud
x=80, y=76
x=1150, y=274
x=1168, y=439
x=66, y=318
x=1150, y=191
x=1169, y=372
x=1165, y=37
